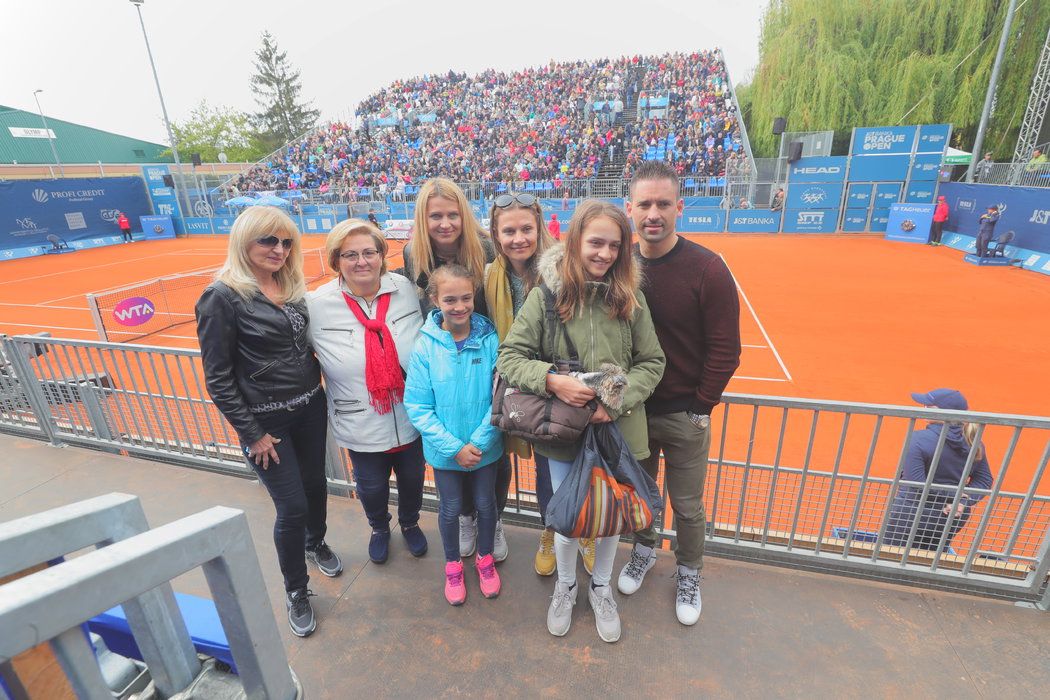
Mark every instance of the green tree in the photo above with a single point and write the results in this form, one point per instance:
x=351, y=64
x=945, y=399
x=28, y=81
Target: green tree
x=210, y=130
x=838, y=64
x=276, y=86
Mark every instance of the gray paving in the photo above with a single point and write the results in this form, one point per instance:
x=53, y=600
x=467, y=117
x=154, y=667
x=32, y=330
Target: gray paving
x=386, y=631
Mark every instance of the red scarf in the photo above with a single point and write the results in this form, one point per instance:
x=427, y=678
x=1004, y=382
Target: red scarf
x=383, y=377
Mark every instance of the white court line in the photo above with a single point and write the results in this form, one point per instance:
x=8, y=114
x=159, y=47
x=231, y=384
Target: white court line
x=80, y=269
x=759, y=379
x=34, y=306
x=762, y=347
x=92, y=331
x=765, y=335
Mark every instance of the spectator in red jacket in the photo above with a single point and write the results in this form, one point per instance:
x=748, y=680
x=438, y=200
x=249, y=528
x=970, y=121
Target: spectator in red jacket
x=555, y=227
x=940, y=215
x=125, y=226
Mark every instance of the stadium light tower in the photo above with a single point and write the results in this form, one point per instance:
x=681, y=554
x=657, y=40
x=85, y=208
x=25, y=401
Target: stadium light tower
x=163, y=109
x=50, y=140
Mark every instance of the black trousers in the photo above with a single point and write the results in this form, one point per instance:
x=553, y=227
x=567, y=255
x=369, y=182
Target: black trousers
x=297, y=485
x=935, y=231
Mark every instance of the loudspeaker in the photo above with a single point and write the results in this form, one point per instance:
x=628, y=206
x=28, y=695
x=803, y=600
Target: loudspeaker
x=169, y=181
x=794, y=151
x=780, y=125
x=196, y=158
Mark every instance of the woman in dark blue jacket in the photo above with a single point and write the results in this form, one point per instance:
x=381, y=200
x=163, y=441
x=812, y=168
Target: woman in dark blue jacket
x=958, y=443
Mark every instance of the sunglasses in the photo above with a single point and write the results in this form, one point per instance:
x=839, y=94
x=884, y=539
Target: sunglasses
x=505, y=200
x=272, y=241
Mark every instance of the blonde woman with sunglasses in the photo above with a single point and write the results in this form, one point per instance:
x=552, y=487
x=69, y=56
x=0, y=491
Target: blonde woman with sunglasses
x=260, y=370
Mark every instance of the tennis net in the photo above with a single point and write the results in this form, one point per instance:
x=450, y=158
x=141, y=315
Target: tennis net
x=137, y=311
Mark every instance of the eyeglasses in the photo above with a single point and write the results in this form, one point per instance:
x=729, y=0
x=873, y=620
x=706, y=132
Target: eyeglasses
x=272, y=241
x=505, y=200
x=353, y=256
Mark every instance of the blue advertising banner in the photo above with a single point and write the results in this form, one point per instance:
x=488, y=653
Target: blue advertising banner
x=822, y=169
x=909, y=223
x=317, y=224
x=814, y=195
x=855, y=220
x=702, y=220
x=933, y=138
x=883, y=140
x=920, y=192
x=165, y=202
x=927, y=166
x=880, y=218
x=157, y=227
x=810, y=220
x=859, y=195
x=1023, y=210
x=72, y=209
x=887, y=194
x=879, y=168
x=754, y=221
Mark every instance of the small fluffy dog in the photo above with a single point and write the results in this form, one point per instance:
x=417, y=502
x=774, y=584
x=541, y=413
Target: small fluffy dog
x=609, y=383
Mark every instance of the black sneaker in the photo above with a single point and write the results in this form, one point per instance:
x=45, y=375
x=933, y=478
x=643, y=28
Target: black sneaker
x=379, y=546
x=300, y=612
x=325, y=559
x=415, y=539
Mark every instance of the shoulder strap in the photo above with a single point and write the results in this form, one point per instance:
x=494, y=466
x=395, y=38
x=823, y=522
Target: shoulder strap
x=554, y=324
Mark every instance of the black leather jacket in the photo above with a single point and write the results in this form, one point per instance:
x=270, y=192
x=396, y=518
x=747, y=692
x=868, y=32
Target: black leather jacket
x=251, y=355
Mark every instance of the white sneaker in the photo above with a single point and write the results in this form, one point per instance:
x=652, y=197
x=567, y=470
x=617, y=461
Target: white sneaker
x=559, y=614
x=606, y=617
x=499, y=547
x=633, y=573
x=468, y=535
x=687, y=600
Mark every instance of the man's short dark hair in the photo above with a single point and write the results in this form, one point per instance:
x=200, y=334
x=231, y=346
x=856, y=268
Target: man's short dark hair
x=655, y=170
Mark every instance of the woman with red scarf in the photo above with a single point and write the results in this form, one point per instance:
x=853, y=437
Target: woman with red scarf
x=363, y=327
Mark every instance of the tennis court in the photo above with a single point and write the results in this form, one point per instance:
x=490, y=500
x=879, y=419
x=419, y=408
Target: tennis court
x=849, y=318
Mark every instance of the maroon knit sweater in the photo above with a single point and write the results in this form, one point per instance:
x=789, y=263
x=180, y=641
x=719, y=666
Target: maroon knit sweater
x=693, y=300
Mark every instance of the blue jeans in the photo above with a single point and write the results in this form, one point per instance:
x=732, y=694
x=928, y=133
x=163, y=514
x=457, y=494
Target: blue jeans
x=502, y=487
x=504, y=475
x=297, y=485
x=372, y=474
x=450, y=485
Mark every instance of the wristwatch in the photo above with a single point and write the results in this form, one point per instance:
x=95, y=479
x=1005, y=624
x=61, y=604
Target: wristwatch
x=700, y=421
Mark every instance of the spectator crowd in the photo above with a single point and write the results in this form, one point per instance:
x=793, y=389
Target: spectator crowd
x=553, y=123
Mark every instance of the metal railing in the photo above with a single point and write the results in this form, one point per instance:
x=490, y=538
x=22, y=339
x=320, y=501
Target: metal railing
x=133, y=567
x=1013, y=174
x=807, y=483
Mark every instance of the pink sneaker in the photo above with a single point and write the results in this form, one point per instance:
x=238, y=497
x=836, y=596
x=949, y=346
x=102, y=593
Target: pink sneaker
x=487, y=576
x=455, y=590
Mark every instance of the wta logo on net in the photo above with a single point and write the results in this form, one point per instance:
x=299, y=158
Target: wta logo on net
x=133, y=311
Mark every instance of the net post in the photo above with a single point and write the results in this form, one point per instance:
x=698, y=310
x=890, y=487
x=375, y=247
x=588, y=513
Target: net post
x=96, y=317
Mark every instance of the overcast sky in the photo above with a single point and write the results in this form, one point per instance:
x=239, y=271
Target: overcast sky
x=89, y=58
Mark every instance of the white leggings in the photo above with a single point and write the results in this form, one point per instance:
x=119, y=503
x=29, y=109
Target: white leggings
x=566, y=548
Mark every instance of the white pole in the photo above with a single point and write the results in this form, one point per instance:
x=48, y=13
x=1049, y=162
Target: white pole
x=47, y=130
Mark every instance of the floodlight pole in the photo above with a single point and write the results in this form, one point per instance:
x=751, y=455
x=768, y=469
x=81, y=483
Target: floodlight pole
x=47, y=130
x=990, y=95
x=163, y=109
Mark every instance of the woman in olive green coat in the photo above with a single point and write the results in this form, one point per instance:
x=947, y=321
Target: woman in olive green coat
x=595, y=284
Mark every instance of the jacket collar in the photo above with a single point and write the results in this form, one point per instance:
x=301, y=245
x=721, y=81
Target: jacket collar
x=480, y=327
x=549, y=268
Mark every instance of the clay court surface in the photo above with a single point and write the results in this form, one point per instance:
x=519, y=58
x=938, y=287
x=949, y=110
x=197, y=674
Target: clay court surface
x=851, y=318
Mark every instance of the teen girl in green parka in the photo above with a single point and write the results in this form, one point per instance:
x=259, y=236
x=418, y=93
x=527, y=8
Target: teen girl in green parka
x=595, y=283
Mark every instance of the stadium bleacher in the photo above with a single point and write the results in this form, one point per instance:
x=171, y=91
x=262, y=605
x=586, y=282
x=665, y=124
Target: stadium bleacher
x=538, y=127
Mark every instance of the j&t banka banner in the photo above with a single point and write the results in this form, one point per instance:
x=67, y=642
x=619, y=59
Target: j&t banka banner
x=72, y=209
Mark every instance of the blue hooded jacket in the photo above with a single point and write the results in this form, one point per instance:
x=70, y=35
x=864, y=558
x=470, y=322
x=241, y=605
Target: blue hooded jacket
x=448, y=393
x=950, y=467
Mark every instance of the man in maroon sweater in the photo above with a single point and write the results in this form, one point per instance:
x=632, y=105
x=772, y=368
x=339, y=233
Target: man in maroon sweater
x=693, y=300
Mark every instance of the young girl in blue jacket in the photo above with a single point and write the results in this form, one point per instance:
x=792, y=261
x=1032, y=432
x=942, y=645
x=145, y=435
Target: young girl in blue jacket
x=448, y=397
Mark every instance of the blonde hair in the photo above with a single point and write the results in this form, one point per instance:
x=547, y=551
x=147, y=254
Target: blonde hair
x=352, y=227
x=470, y=254
x=970, y=433
x=544, y=239
x=445, y=273
x=254, y=223
x=622, y=277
